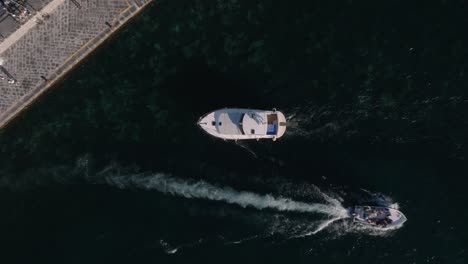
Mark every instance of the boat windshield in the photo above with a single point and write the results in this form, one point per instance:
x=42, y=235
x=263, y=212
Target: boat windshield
x=241, y=128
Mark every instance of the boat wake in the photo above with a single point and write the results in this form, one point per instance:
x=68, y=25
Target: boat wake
x=321, y=122
x=321, y=226
x=327, y=214
x=245, y=146
x=204, y=190
x=342, y=123
x=329, y=211
x=170, y=249
x=377, y=199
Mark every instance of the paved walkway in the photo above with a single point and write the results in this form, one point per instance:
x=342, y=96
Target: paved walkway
x=30, y=24
x=39, y=55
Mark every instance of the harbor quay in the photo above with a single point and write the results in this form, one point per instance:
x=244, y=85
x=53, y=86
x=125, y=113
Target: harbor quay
x=42, y=40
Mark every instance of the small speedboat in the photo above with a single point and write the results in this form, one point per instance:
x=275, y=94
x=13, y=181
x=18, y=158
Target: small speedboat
x=381, y=217
x=240, y=123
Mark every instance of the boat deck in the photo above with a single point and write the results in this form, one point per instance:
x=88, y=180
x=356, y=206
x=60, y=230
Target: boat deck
x=229, y=123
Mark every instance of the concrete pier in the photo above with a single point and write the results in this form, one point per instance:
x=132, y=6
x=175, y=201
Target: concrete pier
x=53, y=41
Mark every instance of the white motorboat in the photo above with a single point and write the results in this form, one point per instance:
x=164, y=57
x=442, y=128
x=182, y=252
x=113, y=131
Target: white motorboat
x=382, y=217
x=240, y=123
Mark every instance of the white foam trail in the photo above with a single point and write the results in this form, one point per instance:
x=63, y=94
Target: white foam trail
x=324, y=225
x=204, y=190
x=321, y=226
x=167, y=248
x=369, y=230
x=243, y=240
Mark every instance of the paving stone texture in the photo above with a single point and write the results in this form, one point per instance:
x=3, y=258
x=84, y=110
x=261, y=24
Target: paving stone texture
x=49, y=45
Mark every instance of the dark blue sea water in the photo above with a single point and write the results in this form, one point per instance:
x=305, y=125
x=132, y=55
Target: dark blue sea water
x=110, y=167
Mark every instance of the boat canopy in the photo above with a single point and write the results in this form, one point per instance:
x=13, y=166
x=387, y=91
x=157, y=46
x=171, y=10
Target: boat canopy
x=229, y=123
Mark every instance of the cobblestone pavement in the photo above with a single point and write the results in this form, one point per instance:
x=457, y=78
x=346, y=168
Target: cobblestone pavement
x=12, y=14
x=49, y=49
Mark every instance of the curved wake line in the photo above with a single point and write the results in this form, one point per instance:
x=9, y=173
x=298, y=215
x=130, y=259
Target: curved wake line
x=331, y=207
x=204, y=190
x=322, y=226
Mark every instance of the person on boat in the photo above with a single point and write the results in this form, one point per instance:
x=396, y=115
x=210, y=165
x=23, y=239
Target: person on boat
x=383, y=223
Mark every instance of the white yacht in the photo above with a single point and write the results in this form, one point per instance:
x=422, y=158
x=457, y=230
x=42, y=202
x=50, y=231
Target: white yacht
x=239, y=123
x=382, y=217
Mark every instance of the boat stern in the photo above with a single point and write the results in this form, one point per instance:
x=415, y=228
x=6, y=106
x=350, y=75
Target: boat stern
x=281, y=124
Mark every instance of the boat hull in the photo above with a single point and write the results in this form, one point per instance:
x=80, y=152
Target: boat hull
x=243, y=124
x=376, y=216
